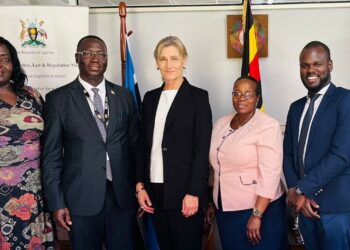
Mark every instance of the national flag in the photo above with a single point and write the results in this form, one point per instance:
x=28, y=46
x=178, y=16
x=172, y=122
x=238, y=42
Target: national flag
x=151, y=237
x=148, y=233
x=250, y=59
x=130, y=77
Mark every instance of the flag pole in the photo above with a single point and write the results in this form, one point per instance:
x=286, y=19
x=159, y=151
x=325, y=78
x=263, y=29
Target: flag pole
x=122, y=15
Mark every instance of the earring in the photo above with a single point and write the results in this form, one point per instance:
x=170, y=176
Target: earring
x=184, y=67
x=157, y=68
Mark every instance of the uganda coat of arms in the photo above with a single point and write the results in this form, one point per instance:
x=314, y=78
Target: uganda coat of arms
x=33, y=33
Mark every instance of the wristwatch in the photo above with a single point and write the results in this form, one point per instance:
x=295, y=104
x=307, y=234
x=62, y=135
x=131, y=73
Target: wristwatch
x=257, y=213
x=298, y=191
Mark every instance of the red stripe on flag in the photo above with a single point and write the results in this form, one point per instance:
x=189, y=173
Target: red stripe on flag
x=254, y=68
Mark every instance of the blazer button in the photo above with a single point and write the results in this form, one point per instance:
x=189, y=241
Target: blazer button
x=165, y=149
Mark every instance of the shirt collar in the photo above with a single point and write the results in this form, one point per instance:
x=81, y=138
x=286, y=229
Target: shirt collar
x=322, y=91
x=87, y=86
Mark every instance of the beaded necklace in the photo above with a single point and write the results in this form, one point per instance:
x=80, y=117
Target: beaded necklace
x=104, y=118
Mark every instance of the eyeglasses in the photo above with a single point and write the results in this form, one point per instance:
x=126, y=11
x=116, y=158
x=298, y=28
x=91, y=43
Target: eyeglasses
x=247, y=95
x=5, y=59
x=89, y=54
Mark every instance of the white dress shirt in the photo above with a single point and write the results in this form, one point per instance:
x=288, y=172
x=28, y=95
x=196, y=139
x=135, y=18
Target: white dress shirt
x=101, y=91
x=166, y=99
x=316, y=106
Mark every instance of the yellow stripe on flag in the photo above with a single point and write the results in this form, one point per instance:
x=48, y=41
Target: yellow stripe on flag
x=252, y=44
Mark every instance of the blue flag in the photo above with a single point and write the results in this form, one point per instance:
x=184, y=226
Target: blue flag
x=148, y=233
x=130, y=78
x=151, y=237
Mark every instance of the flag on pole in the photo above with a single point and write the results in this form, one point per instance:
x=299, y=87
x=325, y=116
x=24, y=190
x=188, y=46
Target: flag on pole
x=145, y=228
x=148, y=233
x=130, y=77
x=250, y=59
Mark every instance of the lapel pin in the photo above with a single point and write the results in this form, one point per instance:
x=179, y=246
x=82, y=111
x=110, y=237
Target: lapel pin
x=112, y=92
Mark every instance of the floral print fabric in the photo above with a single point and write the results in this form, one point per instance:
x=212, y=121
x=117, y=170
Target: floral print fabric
x=23, y=222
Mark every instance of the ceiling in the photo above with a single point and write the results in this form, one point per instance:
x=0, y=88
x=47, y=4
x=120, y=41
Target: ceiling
x=137, y=3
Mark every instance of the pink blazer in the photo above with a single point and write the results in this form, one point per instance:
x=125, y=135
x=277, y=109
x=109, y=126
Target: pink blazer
x=247, y=161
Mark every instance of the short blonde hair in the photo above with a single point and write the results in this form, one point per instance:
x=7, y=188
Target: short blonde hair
x=170, y=41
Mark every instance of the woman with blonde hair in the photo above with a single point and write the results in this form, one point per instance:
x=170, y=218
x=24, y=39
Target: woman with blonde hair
x=172, y=159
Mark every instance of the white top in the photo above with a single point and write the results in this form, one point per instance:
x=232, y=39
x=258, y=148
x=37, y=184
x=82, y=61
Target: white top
x=165, y=101
x=322, y=92
x=101, y=91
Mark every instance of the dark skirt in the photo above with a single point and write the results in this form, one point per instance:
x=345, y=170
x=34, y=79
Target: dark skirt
x=233, y=228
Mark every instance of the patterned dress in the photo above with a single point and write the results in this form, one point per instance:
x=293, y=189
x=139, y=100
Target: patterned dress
x=24, y=223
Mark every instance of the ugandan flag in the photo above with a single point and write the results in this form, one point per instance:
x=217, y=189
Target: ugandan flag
x=250, y=59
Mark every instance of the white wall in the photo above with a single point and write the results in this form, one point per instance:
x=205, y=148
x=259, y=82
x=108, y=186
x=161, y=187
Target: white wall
x=204, y=34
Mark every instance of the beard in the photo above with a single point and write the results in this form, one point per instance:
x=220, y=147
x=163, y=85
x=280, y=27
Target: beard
x=323, y=82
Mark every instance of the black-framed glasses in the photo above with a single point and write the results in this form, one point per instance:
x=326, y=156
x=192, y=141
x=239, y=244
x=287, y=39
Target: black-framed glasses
x=246, y=95
x=88, y=54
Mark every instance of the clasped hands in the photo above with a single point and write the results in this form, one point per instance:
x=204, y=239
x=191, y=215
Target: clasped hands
x=301, y=203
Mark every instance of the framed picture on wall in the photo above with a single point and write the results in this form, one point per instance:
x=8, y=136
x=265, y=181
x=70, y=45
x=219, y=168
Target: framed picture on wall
x=235, y=35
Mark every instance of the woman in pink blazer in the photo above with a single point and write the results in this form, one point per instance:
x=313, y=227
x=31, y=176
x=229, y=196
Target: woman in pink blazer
x=246, y=155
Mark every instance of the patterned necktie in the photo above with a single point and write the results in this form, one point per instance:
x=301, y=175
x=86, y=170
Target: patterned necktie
x=99, y=106
x=303, y=134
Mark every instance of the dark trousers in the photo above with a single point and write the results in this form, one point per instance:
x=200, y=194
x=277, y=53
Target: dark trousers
x=174, y=231
x=233, y=228
x=113, y=227
x=331, y=231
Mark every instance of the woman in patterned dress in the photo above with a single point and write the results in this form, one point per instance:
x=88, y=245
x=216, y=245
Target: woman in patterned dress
x=24, y=224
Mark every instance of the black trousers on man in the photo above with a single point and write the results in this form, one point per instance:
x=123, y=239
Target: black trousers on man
x=113, y=227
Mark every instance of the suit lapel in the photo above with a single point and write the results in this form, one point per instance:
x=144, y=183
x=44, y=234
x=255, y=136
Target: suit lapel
x=81, y=102
x=181, y=99
x=298, y=112
x=113, y=98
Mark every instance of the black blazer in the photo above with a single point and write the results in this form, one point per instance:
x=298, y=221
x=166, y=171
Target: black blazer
x=74, y=154
x=186, y=142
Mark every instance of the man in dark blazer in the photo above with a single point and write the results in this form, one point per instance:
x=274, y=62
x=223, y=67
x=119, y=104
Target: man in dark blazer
x=317, y=154
x=91, y=130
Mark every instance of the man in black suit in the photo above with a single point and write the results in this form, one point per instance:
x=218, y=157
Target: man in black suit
x=91, y=130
